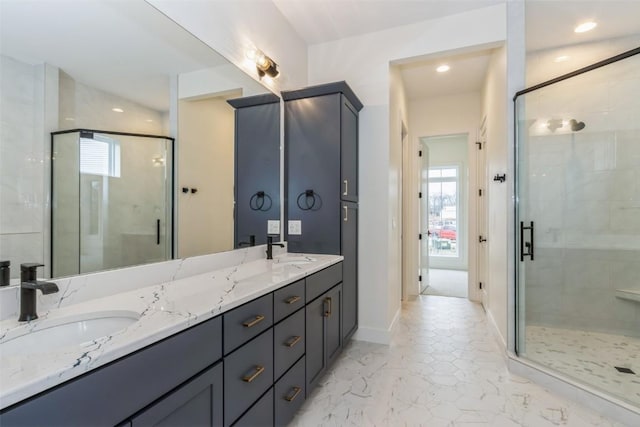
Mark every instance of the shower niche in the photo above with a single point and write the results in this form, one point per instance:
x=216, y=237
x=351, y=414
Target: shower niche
x=111, y=198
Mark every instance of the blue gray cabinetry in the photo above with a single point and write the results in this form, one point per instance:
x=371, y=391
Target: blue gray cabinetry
x=321, y=179
x=254, y=365
x=257, y=166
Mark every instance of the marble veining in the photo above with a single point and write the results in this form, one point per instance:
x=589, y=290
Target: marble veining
x=443, y=368
x=164, y=309
x=590, y=357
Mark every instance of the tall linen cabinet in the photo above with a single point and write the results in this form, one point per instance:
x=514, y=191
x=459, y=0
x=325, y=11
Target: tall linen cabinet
x=321, y=181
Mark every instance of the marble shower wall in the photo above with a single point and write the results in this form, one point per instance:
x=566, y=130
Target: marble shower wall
x=583, y=193
x=22, y=157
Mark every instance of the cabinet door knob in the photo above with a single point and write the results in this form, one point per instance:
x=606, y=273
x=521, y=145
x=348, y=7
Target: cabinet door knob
x=293, y=341
x=346, y=187
x=292, y=300
x=327, y=312
x=252, y=322
x=296, y=392
x=346, y=213
x=257, y=371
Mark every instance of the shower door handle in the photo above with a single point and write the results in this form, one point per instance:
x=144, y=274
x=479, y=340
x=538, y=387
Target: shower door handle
x=528, y=246
x=157, y=232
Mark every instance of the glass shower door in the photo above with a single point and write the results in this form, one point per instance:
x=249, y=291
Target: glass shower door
x=125, y=193
x=578, y=227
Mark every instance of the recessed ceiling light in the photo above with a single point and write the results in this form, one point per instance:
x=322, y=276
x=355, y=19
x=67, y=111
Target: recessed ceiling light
x=149, y=121
x=69, y=119
x=585, y=26
x=443, y=68
x=117, y=110
x=561, y=58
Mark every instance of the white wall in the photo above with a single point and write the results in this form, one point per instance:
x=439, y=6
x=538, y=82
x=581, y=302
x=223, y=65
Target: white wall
x=398, y=114
x=206, y=162
x=495, y=108
x=449, y=115
x=363, y=61
x=231, y=27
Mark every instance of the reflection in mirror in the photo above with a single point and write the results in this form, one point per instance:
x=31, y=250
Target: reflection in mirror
x=115, y=69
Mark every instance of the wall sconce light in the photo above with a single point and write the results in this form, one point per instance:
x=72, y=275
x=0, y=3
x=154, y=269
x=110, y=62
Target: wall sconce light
x=264, y=64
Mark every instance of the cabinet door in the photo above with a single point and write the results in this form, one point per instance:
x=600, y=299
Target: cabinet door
x=333, y=323
x=316, y=362
x=349, y=269
x=196, y=403
x=349, y=152
x=312, y=132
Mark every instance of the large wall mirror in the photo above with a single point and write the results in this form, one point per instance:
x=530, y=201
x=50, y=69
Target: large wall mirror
x=118, y=139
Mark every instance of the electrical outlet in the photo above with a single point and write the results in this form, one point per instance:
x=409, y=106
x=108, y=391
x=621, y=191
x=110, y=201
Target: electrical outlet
x=295, y=227
x=273, y=226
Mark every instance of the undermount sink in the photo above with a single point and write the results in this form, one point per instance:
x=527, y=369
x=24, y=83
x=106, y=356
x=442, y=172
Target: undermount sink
x=50, y=335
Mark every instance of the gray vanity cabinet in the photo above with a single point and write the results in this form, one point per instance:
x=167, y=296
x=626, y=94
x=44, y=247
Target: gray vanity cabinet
x=324, y=334
x=196, y=403
x=257, y=166
x=321, y=155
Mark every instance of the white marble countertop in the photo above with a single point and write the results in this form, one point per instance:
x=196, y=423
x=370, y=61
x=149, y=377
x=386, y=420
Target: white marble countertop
x=163, y=310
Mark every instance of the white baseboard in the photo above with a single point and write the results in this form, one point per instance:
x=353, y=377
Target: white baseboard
x=496, y=331
x=377, y=335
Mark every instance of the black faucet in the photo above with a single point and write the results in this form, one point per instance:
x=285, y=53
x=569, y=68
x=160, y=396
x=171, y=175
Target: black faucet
x=28, y=286
x=251, y=242
x=270, y=246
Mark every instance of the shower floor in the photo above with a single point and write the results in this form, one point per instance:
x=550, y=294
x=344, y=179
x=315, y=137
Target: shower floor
x=590, y=357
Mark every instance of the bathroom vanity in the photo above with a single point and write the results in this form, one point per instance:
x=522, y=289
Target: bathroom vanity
x=240, y=345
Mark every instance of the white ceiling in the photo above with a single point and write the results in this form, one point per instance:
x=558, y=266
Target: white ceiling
x=467, y=74
x=128, y=51
x=318, y=21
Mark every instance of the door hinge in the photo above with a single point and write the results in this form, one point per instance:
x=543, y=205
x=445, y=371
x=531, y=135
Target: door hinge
x=420, y=195
x=419, y=236
x=479, y=144
x=479, y=191
x=420, y=153
x=480, y=285
x=420, y=278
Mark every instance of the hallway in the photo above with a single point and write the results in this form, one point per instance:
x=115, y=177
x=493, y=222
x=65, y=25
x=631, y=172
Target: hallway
x=443, y=368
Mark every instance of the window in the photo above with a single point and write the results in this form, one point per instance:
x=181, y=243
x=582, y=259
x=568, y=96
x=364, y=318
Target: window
x=99, y=156
x=443, y=211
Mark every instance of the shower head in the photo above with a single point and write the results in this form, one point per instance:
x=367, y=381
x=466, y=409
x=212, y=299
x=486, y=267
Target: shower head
x=576, y=126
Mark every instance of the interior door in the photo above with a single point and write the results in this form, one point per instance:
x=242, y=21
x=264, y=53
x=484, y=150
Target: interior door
x=423, y=212
x=481, y=217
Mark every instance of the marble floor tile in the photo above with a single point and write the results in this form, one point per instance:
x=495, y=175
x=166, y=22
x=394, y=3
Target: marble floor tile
x=443, y=368
x=590, y=357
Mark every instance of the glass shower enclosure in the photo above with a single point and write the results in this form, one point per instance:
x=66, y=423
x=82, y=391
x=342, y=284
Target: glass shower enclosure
x=112, y=200
x=578, y=226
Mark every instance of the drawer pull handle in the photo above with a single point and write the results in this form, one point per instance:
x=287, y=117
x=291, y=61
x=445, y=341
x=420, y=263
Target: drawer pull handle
x=258, y=370
x=249, y=323
x=327, y=312
x=293, y=341
x=346, y=188
x=292, y=397
x=292, y=300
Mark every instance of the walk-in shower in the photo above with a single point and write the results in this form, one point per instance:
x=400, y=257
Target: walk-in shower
x=111, y=200
x=578, y=226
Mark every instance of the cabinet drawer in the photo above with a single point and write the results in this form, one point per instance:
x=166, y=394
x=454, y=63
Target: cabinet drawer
x=287, y=300
x=288, y=342
x=247, y=321
x=323, y=280
x=289, y=394
x=261, y=414
x=248, y=372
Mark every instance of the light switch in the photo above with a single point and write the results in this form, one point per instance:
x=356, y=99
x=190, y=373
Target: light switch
x=273, y=226
x=295, y=227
